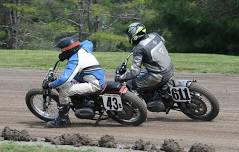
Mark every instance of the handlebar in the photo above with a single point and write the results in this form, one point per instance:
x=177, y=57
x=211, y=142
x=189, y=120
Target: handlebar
x=122, y=68
x=50, y=76
x=55, y=65
x=127, y=59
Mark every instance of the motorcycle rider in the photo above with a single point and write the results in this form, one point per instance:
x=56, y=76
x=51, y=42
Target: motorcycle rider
x=81, y=75
x=149, y=51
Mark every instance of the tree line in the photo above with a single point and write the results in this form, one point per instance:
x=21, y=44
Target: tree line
x=207, y=26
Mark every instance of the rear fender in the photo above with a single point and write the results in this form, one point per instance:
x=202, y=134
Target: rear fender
x=123, y=90
x=182, y=83
x=114, y=87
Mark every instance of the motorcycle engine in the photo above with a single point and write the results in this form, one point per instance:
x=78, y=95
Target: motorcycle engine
x=85, y=113
x=85, y=110
x=156, y=106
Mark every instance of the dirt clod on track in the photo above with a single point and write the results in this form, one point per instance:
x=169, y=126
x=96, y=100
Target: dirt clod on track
x=71, y=139
x=198, y=147
x=107, y=141
x=170, y=145
x=144, y=146
x=15, y=135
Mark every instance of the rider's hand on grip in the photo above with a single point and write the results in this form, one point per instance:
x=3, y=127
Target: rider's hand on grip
x=45, y=84
x=121, y=69
x=52, y=77
x=118, y=79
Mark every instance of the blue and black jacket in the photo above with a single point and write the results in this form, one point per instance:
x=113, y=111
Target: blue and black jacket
x=76, y=65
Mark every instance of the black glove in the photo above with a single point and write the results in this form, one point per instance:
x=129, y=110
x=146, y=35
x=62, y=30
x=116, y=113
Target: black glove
x=118, y=79
x=122, y=68
x=45, y=84
x=52, y=78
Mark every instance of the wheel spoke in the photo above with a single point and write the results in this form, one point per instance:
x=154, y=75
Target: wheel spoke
x=201, y=105
x=129, y=113
x=49, y=110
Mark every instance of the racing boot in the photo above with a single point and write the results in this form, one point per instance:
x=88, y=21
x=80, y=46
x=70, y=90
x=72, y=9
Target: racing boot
x=63, y=118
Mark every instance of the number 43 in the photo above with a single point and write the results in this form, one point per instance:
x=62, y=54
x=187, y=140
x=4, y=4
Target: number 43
x=112, y=103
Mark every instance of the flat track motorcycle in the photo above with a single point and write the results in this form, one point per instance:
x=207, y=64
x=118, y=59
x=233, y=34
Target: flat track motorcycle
x=186, y=96
x=114, y=101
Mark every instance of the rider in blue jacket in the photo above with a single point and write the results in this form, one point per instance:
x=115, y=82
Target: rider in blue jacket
x=82, y=74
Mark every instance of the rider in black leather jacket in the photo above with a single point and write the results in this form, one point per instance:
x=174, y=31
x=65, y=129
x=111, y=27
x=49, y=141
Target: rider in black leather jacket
x=149, y=51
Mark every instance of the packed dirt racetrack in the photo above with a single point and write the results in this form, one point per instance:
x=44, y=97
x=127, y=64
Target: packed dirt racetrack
x=222, y=133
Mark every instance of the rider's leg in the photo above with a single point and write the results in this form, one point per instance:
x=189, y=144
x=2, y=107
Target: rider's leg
x=147, y=80
x=69, y=89
x=63, y=119
x=145, y=84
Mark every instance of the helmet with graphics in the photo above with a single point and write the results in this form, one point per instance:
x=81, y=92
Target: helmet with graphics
x=68, y=46
x=136, y=31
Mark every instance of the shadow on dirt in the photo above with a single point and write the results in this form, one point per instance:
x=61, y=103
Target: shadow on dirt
x=33, y=124
x=37, y=124
x=168, y=119
x=96, y=125
x=41, y=124
x=163, y=119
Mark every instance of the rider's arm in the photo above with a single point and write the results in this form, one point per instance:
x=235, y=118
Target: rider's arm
x=71, y=69
x=136, y=66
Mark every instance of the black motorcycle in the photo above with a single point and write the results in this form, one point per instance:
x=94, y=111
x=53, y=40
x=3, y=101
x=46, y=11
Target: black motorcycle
x=186, y=96
x=114, y=101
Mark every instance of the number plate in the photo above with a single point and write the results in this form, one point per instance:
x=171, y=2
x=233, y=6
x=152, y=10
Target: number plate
x=112, y=102
x=180, y=94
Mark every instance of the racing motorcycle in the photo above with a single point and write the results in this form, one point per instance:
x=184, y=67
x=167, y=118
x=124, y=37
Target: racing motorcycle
x=186, y=96
x=115, y=101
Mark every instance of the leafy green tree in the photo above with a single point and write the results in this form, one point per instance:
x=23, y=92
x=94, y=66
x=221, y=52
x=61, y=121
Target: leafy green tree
x=210, y=26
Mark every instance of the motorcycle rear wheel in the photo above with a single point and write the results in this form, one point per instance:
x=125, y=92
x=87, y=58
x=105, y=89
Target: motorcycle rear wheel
x=204, y=105
x=134, y=111
x=34, y=101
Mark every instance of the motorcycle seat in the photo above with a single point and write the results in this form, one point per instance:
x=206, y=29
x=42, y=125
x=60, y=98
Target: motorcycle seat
x=111, y=86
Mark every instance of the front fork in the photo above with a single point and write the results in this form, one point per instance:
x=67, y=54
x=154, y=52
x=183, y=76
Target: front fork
x=46, y=103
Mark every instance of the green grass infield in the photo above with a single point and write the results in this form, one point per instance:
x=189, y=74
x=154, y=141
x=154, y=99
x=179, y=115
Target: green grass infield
x=22, y=147
x=183, y=62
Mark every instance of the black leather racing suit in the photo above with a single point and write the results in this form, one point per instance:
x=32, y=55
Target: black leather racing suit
x=152, y=54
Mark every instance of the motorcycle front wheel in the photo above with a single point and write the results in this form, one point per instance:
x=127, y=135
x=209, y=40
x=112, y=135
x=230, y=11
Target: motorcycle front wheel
x=47, y=111
x=204, y=105
x=134, y=110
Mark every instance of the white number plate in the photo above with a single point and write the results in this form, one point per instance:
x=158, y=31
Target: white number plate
x=180, y=94
x=112, y=102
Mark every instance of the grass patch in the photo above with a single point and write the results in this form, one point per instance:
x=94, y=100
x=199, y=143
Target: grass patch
x=206, y=63
x=183, y=62
x=13, y=147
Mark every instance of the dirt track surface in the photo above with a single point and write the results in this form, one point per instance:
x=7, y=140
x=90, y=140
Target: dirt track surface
x=222, y=133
